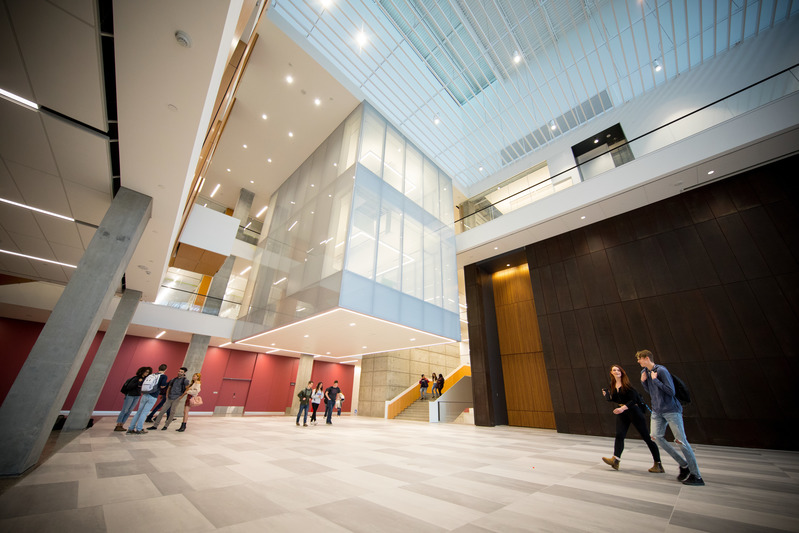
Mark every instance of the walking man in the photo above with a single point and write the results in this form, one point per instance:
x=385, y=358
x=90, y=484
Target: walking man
x=667, y=411
x=330, y=397
x=305, y=398
x=174, y=391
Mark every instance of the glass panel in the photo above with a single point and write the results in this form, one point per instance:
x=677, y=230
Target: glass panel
x=430, y=188
x=394, y=167
x=389, y=245
x=412, y=279
x=433, y=291
x=349, y=142
x=413, y=174
x=363, y=233
x=372, y=140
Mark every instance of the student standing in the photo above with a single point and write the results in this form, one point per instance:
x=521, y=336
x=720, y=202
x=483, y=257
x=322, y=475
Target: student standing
x=316, y=399
x=629, y=411
x=132, y=391
x=667, y=411
x=190, y=393
x=305, y=398
x=331, y=394
x=174, y=392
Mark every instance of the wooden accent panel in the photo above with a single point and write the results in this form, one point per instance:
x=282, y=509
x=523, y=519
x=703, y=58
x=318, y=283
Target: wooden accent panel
x=527, y=396
x=202, y=290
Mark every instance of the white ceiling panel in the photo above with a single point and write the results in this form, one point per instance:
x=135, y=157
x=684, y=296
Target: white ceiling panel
x=18, y=221
x=50, y=271
x=62, y=57
x=85, y=10
x=87, y=204
x=86, y=234
x=12, y=73
x=22, y=138
x=81, y=155
x=8, y=189
x=67, y=254
x=17, y=266
x=60, y=231
x=622, y=203
x=670, y=185
x=33, y=246
x=40, y=189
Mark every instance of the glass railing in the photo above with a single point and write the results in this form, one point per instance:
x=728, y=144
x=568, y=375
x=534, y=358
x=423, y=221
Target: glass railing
x=756, y=95
x=195, y=302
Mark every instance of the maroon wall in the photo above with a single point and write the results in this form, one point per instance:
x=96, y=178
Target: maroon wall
x=260, y=382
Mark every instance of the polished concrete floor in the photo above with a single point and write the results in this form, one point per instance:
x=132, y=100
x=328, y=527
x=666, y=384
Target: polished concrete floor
x=373, y=475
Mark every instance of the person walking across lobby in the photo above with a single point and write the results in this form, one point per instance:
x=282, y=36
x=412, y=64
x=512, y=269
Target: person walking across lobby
x=305, y=397
x=667, y=411
x=331, y=394
x=630, y=410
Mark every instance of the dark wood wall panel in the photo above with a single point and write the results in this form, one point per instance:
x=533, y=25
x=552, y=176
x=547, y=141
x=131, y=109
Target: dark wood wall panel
x=708, y=280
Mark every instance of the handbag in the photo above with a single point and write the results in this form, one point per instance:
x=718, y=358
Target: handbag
x=195, y=401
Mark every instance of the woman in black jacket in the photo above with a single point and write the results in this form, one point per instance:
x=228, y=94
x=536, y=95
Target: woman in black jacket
x=629, y=411
x=132, y=391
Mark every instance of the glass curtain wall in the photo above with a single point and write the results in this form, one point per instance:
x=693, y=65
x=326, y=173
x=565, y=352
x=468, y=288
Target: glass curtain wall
x=366, y=224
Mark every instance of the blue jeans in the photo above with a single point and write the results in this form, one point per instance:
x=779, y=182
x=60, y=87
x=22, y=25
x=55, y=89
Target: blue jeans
x=303, y=408
x=161, y=401
x=127, y=407
x=146, y=403
x=423, y=390
x=331, y=404
x=674, y=421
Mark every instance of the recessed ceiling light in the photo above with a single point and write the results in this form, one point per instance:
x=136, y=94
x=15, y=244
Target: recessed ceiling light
x=252, y=181
x=335, y=164
x=37, y=210
x=38, y=258
x=18, y=99
x=352, y=323
x=289, y=79
x=326, y=4
x=261, y=212
x=306, y=336
x=317, y=101
x=413, y=339
x=436, y=121
x=361, y=38
x=553, y=126
x=517, y=57
x=215, y=189
x=480, y=169
x=363, y=347
x=312, y=185
x=496, y=247
x=658, y=68
x=582, y=217
x=268, y=159
x=244, y=145
x=291, y=134
x=228, y=170
x=245, y=270
x=508, y=264
x=273, y=344
x=596, y=141
x=263, y=116
x=709, y=172
x=160, y=334
x=328, y=353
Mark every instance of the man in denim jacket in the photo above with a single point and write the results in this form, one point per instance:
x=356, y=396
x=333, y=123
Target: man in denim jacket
x=667, y=410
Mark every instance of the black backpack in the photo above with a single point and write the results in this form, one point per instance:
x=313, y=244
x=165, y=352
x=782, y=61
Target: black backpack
x=130, y=385
x=681, y=390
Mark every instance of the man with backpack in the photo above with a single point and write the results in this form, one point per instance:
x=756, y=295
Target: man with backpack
x=667, y=411
x=174, y=394
x=150, y=389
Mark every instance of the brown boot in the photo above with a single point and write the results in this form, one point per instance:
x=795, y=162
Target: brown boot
x=657, y=468
x=612, y=462
x=119, y=428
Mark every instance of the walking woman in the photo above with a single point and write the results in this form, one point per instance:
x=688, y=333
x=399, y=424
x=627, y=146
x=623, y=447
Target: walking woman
x=629, y=411
x=132, y=391
x=191, y=393
x=316, y=399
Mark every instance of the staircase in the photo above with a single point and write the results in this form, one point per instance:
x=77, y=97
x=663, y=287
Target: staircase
x=418, y=411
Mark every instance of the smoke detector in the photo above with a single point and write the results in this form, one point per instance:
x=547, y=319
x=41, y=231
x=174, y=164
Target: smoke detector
x=183, y=39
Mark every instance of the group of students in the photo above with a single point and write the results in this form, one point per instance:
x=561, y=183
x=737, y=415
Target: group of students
x=666, y=411
x=146, y=388
x=438, y=385
x=332, y=396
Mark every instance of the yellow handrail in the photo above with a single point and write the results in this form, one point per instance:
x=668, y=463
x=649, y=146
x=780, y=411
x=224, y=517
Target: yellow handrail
x=404, y=399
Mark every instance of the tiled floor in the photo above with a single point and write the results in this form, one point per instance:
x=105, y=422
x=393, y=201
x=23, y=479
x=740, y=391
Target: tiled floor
x=372, y=475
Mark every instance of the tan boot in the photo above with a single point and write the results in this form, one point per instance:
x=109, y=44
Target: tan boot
x=657, y=468
x=612, y=462
x=119, y=428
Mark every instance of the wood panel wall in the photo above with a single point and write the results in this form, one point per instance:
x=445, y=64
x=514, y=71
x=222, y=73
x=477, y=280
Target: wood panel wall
x=527, y=394
x=707, y=280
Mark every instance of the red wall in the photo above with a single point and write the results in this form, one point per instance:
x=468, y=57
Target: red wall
x=264, y=379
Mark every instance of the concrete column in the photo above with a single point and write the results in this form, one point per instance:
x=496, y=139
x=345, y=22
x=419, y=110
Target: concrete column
x=242, y=211
x=195, y=355
x=216, y=292
x=304, y=370
x=98, y=372
x=37, y=395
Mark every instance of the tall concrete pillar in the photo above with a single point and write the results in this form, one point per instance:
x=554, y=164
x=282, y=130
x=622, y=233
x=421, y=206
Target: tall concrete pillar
x=195, y=355
x=303, y=377
x=242, y=210
x=106, y=354
x=216, y=292
x=37, y=395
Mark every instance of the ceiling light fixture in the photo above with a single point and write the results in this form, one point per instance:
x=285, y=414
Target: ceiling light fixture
x=245, y=270
x=352, y=323
x=480, y=169
x=306, y=336
x=344, y=362
x=19, y=100
x=517, y=58
x=582, y=217
x=263, y=116
x=291, y=134
x=244, y=145
x=326, y=4
x=553, y=126
x=361, y=38
x=9, y=252
x=262, y=211
x=709, y=172
x=228, y=170
x=268, y=159
x=37, y=210
x=289, y=79
x=436, y=121
x=160, y=334
x=317, y=101
x=596, y=141
x=215, y=189
x=183, y=39
x=658, y=68
x=292, y=226
x=252, y=181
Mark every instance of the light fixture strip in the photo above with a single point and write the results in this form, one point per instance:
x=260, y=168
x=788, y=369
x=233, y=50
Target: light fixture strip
x=37, y=210
x=160, y=334
x=38, y=259
x=19, y=100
